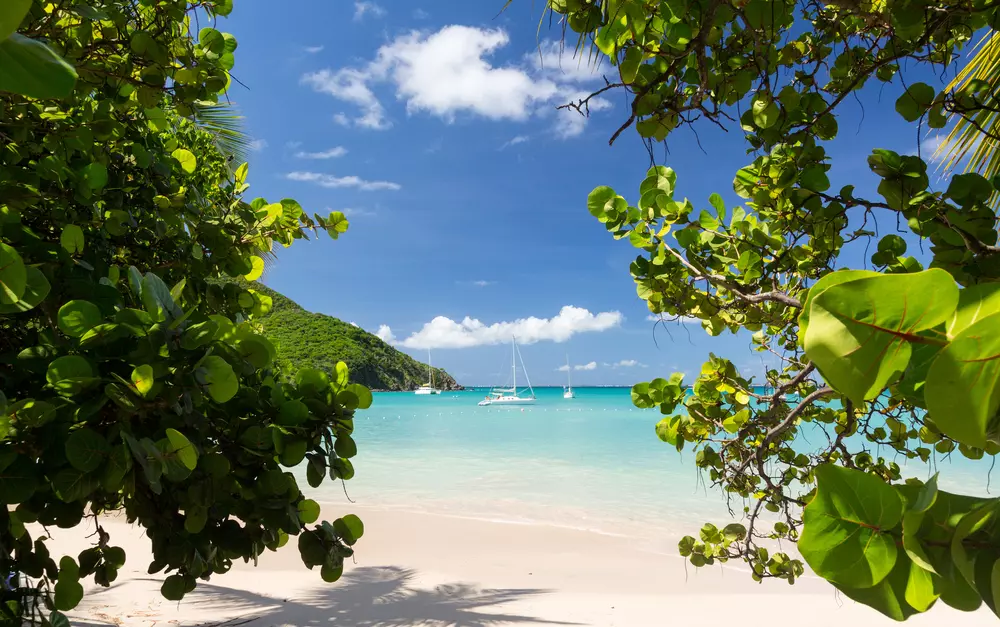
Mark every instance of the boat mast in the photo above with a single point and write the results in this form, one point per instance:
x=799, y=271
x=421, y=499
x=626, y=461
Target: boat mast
x=513, y=362
x=430, y=370
x=530, y=389
x=569, y=374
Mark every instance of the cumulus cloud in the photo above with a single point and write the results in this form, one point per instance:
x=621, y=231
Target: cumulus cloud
x=626, y=363
x=350, y=85
x=443, y=332
x=331, y=181
x=314, y=49
x=257, y=145
x=451, y=72
x=929, y=148
x=354, y=212
x=333, y=153
x=384, y=333
x=563, y=368
x=588, y=366
x=361, y=9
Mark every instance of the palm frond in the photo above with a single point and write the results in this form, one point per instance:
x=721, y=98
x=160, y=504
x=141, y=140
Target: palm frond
x=972, y=143
x=225, y=122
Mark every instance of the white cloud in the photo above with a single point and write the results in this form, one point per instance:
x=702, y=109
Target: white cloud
x=669, y=318
x=930, y=145
x=336, y=151
x=314, y=49
x=626, y=363
x=589, y=366
x=482, y=283
x=384, y=333
x=563, y=368
x=331, y=181
x=520, y=139
x=351, y=86
x=442, y=332
x=450, y=72
x=361, y=9
x=257, y=145
x=354, y=324
x=555, y=60
x=353, y=212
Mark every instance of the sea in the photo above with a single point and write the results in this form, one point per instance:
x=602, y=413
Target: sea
x=592, y=462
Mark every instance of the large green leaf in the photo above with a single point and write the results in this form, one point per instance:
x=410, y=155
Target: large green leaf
x=87, y=449
x=18, y=481
x=78, y=316
x=36, y=289
x=859, y=332
x=12, y=13
x=32, y=69
x=828, y=281
x=889, y=595
x=844, y=537
x=186, y=452
x=13, y=275
x=963, y=383
x=222, y=382
x=974, y=303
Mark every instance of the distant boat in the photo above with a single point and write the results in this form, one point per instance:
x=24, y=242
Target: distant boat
x=568, y=390
x=509, y=396
x=429, y=387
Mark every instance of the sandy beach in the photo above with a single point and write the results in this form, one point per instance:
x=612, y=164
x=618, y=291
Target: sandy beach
x=422, y=569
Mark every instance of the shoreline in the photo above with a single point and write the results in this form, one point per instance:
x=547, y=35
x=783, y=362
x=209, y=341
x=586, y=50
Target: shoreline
x=439, y=570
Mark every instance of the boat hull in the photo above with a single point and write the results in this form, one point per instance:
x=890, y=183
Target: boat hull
x=506, y=401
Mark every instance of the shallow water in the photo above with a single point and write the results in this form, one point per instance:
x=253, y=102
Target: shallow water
x=593, y=462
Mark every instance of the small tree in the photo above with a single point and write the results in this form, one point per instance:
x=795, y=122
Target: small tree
x=133, y=376
x=896, y=358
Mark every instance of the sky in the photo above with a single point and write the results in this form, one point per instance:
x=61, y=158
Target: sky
x=434, y=127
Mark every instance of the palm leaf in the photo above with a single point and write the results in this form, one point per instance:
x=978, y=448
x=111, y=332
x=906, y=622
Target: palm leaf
x=972, y=143
x=225, y=122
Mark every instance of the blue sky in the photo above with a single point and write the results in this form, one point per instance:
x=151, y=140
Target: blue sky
x=434, y=128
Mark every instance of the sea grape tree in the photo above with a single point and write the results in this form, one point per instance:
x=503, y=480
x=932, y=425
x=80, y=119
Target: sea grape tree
x=133, y=374
x=897, y=358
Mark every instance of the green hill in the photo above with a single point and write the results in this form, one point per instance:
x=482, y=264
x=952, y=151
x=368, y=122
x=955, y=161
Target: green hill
x=312, y=340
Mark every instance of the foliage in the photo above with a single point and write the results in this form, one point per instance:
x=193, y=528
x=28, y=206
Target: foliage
x=130, y=379
x=309, y=340
x=901, y=357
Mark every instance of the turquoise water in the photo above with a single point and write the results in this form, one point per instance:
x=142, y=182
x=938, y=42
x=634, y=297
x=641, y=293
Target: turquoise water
x=593, y=462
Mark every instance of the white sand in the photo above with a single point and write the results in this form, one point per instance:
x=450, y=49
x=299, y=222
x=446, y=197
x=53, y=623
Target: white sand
x=419, y=569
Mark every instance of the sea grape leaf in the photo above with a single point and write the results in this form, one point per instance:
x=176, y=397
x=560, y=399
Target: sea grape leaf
x=844, y=537
x=860, y=331
x=222, y=382
x=12, y=13
x=33, y=69
x=13, y=275
x=36, y=288
x=77, y=317
x=87, y=449
x=962, y=389
x=974, y=303
x=828, y=281
x=185, y=451
x=889, y=595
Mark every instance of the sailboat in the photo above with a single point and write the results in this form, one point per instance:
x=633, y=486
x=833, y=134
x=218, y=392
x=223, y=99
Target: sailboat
x=429, y=387
x=509, y=396
x=568, y=390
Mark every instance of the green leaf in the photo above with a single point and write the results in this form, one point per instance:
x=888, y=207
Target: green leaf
x=926, y=497
x=77, y=317
x=975, y=302
x=173, y=588
x=68, y=367
x=889, y=595
x=969, y=524
x=293, y=413
x=32, y=69
x=35, y=291
x=186, y=452
x=222, y=382
x=845, y=535
x=364, y=395
x=13, y=275
x=915, y=101
x=72, y=239
x=860, y=331
x=68, y=594
x=87, y=449
x=308, y=511
x=142, y=378
x=765, y=111
x=331, y=573
x=963, y=389
x=345, y=446
x=258, y=269
x=600, y=200
x=58, y=619
x=199, y=334
x=12, y=13
x=186, y=159
x=96, y=175
x=18, y=481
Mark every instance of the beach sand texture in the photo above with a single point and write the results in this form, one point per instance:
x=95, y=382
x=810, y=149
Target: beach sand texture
x=436, y=571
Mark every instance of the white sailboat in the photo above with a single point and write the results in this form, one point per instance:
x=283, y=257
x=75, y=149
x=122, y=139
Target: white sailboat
x=429, y=387
x=568, y=390
x=510, y=396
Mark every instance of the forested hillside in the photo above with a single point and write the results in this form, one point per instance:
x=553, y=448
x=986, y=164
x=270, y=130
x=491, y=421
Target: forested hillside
x=306, y=339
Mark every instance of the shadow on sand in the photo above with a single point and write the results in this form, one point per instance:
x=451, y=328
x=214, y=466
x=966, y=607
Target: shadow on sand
x=369, y=597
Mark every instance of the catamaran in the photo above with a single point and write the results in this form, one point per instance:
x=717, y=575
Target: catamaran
x=568, y=390
x=429, y=387
x=509, y=396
